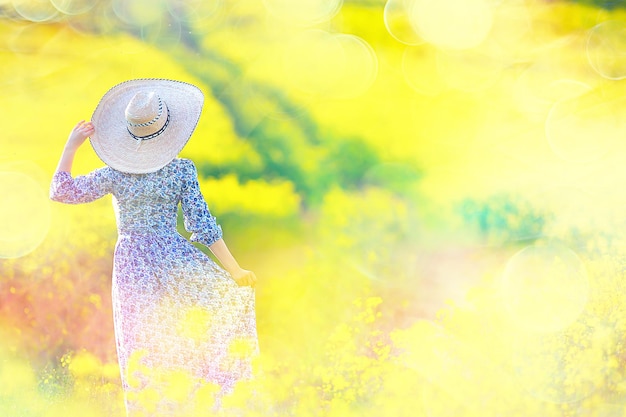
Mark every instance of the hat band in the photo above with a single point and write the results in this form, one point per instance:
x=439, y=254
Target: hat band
x=152, y=135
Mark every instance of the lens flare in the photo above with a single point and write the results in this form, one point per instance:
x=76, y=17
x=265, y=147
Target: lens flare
x=74, y=7
x=545, y=287
x=453, y=24
x=360, y=69
x=606, y=49
x=25, y=213
x=396, y=17
x=584, y=128
x=35, y=10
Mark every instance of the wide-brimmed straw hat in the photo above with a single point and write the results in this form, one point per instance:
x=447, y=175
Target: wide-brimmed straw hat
x=141, y=125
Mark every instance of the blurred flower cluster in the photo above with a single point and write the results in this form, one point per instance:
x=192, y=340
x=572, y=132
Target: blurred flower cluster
x=429, y=192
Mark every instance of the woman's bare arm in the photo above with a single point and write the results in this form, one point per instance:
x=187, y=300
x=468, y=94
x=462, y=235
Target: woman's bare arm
x=77, y=137
x=240, y=275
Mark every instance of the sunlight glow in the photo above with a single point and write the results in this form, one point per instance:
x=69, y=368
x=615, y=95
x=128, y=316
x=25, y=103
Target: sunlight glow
x=545, y=287
x=584, y=128
x=25, y=214
x=606, y=49
x=396, y=16
x=453, y=24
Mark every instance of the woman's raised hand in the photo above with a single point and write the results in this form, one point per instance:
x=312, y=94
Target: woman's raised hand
x=79, y=134
x=77, y=137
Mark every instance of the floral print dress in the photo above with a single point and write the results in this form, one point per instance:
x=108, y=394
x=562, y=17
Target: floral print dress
x=181, y=322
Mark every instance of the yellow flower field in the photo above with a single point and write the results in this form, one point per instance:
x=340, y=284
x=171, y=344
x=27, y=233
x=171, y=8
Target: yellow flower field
x=430, y=193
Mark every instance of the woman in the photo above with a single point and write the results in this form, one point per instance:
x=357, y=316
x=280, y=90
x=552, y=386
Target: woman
x=181, y=321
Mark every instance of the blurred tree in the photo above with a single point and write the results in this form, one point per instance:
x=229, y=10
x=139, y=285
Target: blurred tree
x=503, y=218
x=605, y=4
x=292, y=147
x=349, y=160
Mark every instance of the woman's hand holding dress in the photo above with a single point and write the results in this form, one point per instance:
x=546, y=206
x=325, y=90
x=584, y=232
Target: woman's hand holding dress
x=243, y=277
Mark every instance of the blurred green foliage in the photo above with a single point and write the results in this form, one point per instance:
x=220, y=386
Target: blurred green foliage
x=504, y=219
x=359, y=214
x=606, y=4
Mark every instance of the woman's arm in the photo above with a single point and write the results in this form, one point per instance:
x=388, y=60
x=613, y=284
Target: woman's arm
x=204, y=228
x=66, y=189
x=77, y=137
x=240, y=275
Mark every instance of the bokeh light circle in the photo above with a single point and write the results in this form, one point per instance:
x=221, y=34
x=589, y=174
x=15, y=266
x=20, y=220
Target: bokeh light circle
x=360, y=67
x=139, y=12
x=194, y=10
x=105, y=20
x=398, y=24
x=25, y=214
x=74, y=7
x=585, y=127
x=35, y=10
x=606, y=49
x=304, y=12
x=314, y=62
x=453, y=24
x=540, y=86
x=329, y=64
x=545, y=287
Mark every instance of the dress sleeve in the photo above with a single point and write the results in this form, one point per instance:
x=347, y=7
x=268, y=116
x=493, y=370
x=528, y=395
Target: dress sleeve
x=82, y=189
x=198, y=220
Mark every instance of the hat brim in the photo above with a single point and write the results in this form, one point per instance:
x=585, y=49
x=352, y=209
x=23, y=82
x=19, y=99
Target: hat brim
x=118, y=149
